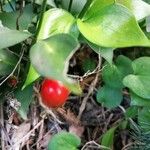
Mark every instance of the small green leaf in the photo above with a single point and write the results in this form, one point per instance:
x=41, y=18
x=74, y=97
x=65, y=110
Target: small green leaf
x=8, y=37
x=108, y=138
x=112, y=76
x=31, y=76
x=131, y=112
x=88, y=65
x=141, y=66
x=109, y=97
x=7, y=62
x=56, y=21
x=25, y=98
x=64, y=141
x=139, y=101
x=113, y=26
x=144, y=119
x=105, y=52
x=138, y=84
x=23, y=22
x=50, y=59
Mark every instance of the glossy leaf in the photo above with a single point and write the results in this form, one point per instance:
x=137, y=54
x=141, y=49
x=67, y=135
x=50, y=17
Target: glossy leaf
x=104, y=28
x=109, y=97
x=7, y=62
x=8, y=37
x=56, y=21
x=139, y=101
x=50, y=59
x=138, y=84
x=64, y=141
x=25, y=98
x=139, y=8
x=23, y=21
x=108, y=138
x=144, y=119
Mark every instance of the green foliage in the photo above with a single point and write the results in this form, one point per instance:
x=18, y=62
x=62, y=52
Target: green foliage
x=108, y=138
x=7, y=62
x=56, y=67
x=25, y=98
x=64, y=141
x=88, y=65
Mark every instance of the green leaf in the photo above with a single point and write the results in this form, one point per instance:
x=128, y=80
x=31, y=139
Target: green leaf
x=50, y=59
x=88, y=65
x=105, y=52
x=108, y=138
x=25, y=98
x=141, y=66
x=113, y=26
x=7, y=62
x=139, y=101
x=144, y=119
x=24, y=20
x=31, y=76
x=138, y=7
x=95, y=7
x=131, y=112
x=138, y=84
x=109, y=97
x=122, y=63
x=64, y=141
x=8, y=37
x=56, y=21
x=112, y=76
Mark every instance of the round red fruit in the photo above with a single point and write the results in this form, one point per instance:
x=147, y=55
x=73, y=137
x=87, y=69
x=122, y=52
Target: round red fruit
x=53, y=93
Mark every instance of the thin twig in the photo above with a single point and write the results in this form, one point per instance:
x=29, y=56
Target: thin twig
x=23, y=49
x=90, y=91
x=96, y=144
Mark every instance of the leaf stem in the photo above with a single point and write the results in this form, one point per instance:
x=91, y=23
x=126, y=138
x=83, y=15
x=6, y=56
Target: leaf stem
x=85, y=8
x=70, y=5
x=43, y=8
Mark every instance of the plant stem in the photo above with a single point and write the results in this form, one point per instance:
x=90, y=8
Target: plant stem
x=70, y=5
x=43, y=8
x=85, y=8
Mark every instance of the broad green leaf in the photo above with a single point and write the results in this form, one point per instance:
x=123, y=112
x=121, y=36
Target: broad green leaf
x=25, y=98
x=139, y=8
x=105, y=52
x=141, y=66
x=95, y=7
x=113, y=26
x=56, y=21
x=109, y=97
x=11, y=37
x=108, y=138
x=138, y=84
x=144, y=119
x=7, y=62
x=31, y=76
x=23, y=22
x=64, y=141
x=50, y=58
x=139, y=101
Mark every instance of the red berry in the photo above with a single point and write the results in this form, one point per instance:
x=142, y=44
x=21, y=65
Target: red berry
x=53, y=93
